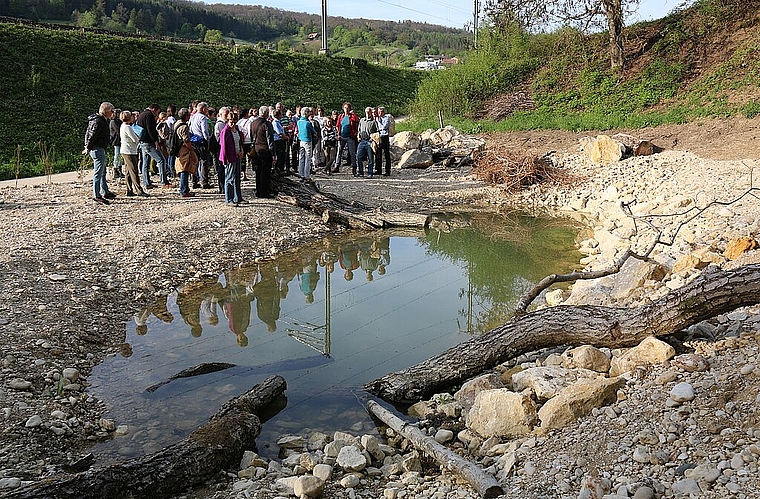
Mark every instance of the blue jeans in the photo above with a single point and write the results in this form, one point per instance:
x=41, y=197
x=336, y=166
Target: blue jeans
x=99, y=185
x=184, y=182
x=351, y=144
x=304, y=160
x=170, y=166
x=149, y=151
x=365, y=149
x=117, y=160
x=232, y=193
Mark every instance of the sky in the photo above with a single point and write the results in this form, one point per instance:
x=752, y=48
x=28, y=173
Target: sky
x=454, y=13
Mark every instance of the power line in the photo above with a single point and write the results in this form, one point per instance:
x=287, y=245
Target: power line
x=449, y=6
x=417, y=11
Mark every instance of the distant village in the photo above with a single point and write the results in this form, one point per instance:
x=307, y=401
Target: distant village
x=435, y=62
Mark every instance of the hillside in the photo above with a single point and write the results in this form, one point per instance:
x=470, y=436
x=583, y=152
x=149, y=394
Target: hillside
x=254, y=24
x=54, y=79
x=702, y=61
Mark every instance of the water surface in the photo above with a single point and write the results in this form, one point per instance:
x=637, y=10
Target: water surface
x=328, y=317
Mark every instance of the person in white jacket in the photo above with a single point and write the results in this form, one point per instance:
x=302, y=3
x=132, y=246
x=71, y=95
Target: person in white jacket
x=129, y=150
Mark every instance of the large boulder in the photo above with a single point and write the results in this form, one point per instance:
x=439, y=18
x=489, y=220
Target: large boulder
x=586, y=357
x=415, y=159
x=736, y=247
x=440, y=137
x=501, y=412
x=309, y=486
x=406, y=140
x=350, y=458
x=470, y=389
x=605, y=150
x=547, y=382
x=632, y=276
x=578, y=400
x=650, y=351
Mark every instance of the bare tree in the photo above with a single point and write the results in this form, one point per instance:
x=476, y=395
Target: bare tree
x=583, y=14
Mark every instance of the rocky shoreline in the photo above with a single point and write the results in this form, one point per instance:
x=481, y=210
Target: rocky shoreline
x=75, y=272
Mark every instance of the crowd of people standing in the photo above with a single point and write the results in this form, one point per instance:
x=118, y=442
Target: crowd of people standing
x=192, y=145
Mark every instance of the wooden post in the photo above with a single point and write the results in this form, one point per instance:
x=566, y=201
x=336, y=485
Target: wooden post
x=440, y=118
x=484, y=483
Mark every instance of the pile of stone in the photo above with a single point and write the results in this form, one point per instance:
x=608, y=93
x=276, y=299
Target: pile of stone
x=446, y=146
x=337, y=465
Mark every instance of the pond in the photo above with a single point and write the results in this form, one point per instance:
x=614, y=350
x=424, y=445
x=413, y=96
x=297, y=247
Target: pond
x=328, y=317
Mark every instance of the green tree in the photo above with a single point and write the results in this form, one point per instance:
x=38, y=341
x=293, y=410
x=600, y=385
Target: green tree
x=583, y=14
x=87, y=20
x=132, y=23
x=160, y=27
x=187, y=31
x=213, y=36
x=200, y=30
x=120, y=14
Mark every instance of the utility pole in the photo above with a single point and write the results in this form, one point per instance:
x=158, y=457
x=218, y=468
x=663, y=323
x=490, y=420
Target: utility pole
x=475, y=15
x=324, y=50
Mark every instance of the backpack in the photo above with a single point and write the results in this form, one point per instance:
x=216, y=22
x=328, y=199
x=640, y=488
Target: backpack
x=392, y=127
x=177, y=142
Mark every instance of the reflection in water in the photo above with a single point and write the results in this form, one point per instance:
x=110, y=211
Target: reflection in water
x=328, y=317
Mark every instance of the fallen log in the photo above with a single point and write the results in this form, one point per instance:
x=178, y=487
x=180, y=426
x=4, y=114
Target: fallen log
x=337, y=210
x=712, y=293
x=215, y=446
x=484, y=483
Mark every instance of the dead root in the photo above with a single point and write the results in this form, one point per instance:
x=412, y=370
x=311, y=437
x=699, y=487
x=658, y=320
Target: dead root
x=514, y=169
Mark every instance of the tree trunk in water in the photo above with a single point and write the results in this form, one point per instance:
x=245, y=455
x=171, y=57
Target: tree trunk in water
x=712, y=293
x=613, y=9
x=484, y=483
x=213, y=447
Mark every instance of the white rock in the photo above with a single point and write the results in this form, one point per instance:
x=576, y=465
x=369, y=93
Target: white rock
x=71, y=374
x=323, y=471
x=501, y=412
x=349, y=481
x=33, y=422
x=309, y=486
x=443, y=436
x=682, y=392
x=351, y=459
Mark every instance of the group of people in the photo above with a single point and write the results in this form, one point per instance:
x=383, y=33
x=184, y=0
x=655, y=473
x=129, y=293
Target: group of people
x=198, y=142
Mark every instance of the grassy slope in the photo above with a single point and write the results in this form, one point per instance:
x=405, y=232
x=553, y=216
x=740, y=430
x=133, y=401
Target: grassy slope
x=703, y=61
x=52, y=80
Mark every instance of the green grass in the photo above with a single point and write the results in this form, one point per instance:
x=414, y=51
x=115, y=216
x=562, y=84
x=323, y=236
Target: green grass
x=52, y=80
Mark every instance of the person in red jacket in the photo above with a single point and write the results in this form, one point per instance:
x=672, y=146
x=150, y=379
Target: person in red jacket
x=348, y=126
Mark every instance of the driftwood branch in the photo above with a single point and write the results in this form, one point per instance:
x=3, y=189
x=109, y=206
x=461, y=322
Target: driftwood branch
x=484, y=483
x=213, y=447
x=712, y=293
x=337, y=210
x=690, y=214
